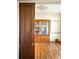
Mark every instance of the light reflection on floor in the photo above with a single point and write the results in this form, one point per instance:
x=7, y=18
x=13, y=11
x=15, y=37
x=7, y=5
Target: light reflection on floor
x=47, y=51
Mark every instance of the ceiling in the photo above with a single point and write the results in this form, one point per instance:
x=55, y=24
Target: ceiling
x=42, y=1
x=48, y=1
x=49, y=9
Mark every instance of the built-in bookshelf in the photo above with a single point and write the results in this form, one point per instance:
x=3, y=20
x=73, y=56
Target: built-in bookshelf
x=41, y=27
x=41, y=30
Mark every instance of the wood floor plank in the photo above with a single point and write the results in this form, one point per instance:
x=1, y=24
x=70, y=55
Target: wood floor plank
x=47, y=51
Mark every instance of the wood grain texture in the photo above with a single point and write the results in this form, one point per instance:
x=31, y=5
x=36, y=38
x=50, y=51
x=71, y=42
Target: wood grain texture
x=41, y=38
x=47, y=51
x=26, y=50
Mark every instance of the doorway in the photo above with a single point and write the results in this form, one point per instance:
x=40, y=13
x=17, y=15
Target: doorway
x=40, y=33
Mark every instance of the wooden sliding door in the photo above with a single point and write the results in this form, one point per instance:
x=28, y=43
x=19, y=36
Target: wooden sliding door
x=26, y=38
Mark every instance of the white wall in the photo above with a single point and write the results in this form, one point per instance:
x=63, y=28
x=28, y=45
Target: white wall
x=55, y=25
x=55, y=28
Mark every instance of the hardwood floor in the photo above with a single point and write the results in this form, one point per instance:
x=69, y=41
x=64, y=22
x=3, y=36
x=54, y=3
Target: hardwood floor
x=47, y=51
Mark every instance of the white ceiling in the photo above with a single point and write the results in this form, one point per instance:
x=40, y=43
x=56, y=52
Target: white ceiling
x=50, y=9
x=48, y=1
x=42, y=1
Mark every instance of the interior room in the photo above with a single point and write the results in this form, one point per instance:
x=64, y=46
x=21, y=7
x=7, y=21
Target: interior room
x=47, y=30
x=40, y=29
x=51, y=13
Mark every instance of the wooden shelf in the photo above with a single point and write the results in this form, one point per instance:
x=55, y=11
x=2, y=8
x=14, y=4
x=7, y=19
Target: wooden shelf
x=42, y=36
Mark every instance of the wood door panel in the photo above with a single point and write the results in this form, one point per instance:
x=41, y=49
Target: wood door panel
x=26, y=50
